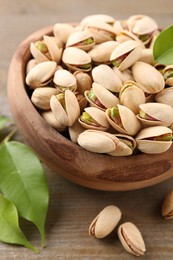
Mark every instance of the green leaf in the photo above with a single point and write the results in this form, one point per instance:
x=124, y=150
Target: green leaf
x=163, y=47
x=9, y=225
x=23, y=182
x=3, y=121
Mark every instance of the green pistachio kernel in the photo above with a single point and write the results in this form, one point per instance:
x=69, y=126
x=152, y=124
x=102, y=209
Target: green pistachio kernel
x=142, y=114
x=91, y=95
x=165, y=137
x=116, y=63
x=85, y=66
x=144, y=37
x=89, y=41
x=168, y=74
x=61, y=98
x=41, y=46
x=86, y=118
x=114, y=112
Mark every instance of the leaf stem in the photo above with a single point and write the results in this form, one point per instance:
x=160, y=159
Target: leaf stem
x=9, y=136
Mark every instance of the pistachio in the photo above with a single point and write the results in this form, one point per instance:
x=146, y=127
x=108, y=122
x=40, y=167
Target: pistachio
x=81, y=39
x=105, y=222
x=97, y=17
x=64, y=80
x=62, y=31
x=168, y=75
x=125, y=146
x=165, y=96
x=131, y=239
x=167, y=206
x=51, y=120
x=84, y=81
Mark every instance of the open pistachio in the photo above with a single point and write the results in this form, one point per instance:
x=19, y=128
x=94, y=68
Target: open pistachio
x=131, y=239
x=167, y=206
x=64, y=80
x=65, y=108
x=84, y=81
x=155, y=114
x=105, y=222
x=125, y=146
x=41, y=74
x=123, y=120
x=168, y=75
x=149, y=78
x=81, y=39
x=155, y=139
x=99, y=18
x=76, y=59
x=100, y=97
x=94, y=118
x=97, y=141
x=106, y=77
x=54, y=49
x=126, y=54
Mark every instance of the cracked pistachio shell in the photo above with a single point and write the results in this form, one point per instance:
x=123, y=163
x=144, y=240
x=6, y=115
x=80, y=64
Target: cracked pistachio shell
x=165, y=96
x=125, y=146
x=74, y=58
x=106, y=77
x=105, y=222
x=62, y=31
x=131, y=239
x=132, y=96
x=167, y=206
x=78, y=39
x=132, y=49
x=67, y=116
x=149, y=79
x=147, y=145
x=51, y=120
x=37, y=54
x=168, y=80
x=127, y=121
x=41, y=97
x=104, y=98
x=97, y=17
x=84, y=81
x=64, y=80
x=156, y=114
x=99, y=117
x=125, y=35
x=54, y=50
x=101, y=53
x=97, y=141
x=145, y=25
x=31, y=64
x=41, y=74
x=74, y=131
x=147, y=56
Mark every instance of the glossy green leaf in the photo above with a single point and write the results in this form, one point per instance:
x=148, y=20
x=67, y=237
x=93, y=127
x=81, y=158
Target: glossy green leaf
x=10, y=231
x=23, y=182
x=163, y=47
x=3, y=121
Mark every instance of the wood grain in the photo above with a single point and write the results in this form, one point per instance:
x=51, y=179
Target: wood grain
x=73, y=207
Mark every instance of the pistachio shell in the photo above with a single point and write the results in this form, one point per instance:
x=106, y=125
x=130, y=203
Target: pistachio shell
x=104, y=96
x=147, y=56
x=51, y=120
x=74, y=57
x=145, y=25
x=64, y=80
x=125, y=35
x=84, y=81
x=31, y=64
x=165, y=96
x=101, y=53
x=105, y=76
x=105, y=222
x=97, y=141
x=125, y=146
x=78, y=38
x=99, y=116
x=98, y=17
x=169, y=80
x=146, y=145
x=159, y=114
x=132, y=48
x=37, y=54
x=41, y=74
x=167, y=206
x=41, y=97
x=54, y=50
x=74, y=131
x=149, y=79
x=130, y=124
x=131, y=21
x=131, y=239
x=62, y=31
x=132, y=96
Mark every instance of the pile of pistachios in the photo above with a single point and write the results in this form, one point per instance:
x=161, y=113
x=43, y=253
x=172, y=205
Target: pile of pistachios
x=98, y=80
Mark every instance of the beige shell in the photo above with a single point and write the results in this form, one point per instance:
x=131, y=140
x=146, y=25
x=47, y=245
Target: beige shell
x=51, y=120
x=74, y=131
x=159, y=114
x=165, y=96
x=62, y=31
x=99, y=117
x=147, y=56
x=148, y=78
x=130, y=125
x=101, y=53
x=125, y=35
x=105, y=76
x=146, y=145
x=105, y=99
x=74, y=58
x=97, y=141
x=68, y=116
x=131, y=21
x=41, y=97
x=131, y=239
x=168, y=81
x=54, y=50
x=64, y=80
x=78, y=38
x=131, y=96
x=132, y=49
x=105, y=222
x=144, y=25
x=125, y=146
x=97, y=17
x=37, y=54
x=41, y=74
x=31, y=64
x=84, y=81
x=167, y=206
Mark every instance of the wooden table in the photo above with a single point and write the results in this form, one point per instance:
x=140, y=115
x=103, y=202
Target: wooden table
x=72, y=207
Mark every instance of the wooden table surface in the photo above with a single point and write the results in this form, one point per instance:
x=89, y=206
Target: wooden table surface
x=72, y=207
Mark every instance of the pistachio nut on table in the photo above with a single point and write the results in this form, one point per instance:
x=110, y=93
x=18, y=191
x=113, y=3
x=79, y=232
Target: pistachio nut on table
x=98, y=80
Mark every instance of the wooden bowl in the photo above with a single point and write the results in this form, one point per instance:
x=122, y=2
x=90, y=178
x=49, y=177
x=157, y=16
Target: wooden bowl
x=91, y=170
